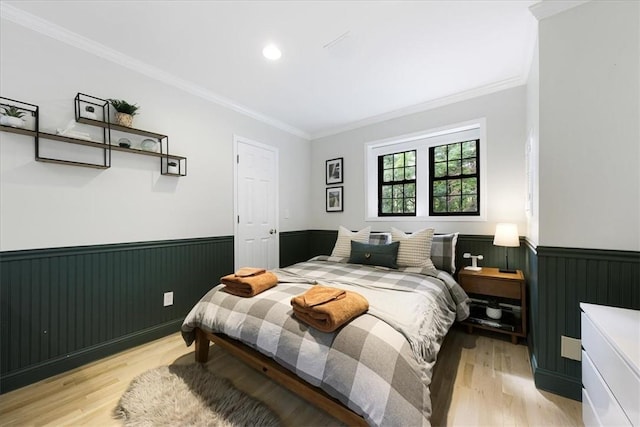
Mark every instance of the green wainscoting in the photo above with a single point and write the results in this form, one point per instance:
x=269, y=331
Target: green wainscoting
x=294, y=247
x=64, y=307
x=565, y=278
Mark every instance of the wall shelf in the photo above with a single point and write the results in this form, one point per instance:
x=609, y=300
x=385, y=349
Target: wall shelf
x=167, y=160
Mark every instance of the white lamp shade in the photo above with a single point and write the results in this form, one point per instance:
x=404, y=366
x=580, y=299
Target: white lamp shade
x=506, y=235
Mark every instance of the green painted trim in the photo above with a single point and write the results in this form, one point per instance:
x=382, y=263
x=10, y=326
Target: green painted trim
x=555, y=382
x=112, y=247
x=34, y=373
x=597, y=254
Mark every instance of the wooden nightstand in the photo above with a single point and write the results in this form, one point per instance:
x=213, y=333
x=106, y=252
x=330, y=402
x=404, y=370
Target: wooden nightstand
x=508, y=289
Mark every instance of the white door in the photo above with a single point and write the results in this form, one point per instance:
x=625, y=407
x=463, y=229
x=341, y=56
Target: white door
x=256, y=205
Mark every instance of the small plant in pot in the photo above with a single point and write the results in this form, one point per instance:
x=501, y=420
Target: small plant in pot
x=12, y=116
x=124, y=111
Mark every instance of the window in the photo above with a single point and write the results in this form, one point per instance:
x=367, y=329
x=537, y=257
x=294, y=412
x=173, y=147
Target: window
x=433, y=175
x=454, y=178
x=397, y=184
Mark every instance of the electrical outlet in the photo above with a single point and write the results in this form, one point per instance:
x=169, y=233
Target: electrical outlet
x=168, y=299
x=571, y=348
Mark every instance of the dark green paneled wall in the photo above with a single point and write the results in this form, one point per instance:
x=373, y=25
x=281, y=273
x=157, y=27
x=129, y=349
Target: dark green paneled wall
x=64, y=307
x=566, y=277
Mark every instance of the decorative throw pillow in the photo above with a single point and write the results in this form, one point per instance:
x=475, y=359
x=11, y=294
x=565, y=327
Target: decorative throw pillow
x=443, y=252
x=343, y=243
x=415, y=248
x=381, y=255
x=379, y=238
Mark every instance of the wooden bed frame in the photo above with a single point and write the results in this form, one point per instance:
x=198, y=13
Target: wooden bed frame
x=279, y=374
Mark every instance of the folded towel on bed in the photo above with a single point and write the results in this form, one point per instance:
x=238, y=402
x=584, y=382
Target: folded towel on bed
x=326, y=308
x=248, y=282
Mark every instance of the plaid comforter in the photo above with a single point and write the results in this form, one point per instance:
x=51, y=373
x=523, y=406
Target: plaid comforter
x=371, y=364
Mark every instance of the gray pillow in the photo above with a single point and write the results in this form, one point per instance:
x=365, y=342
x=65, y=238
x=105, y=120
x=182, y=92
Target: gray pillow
x=443, y=252
x=381, y=255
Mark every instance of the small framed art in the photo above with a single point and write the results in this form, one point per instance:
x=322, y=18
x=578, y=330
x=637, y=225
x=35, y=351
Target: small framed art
x=334, y=171
x=334, y=199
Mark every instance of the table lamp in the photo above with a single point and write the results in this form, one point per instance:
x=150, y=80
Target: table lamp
x=507, y=236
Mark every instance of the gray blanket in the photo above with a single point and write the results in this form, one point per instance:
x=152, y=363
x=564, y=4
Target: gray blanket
x=379, y=364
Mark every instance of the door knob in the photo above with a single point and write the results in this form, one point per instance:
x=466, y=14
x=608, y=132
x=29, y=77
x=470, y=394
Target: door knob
x=272, y=231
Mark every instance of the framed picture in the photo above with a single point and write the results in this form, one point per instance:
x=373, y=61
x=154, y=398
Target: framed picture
x=334, y=171
x=334, y=199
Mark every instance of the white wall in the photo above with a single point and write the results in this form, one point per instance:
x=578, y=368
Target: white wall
x=505, y=119
x=533, y=132
x=47, y=205
x=590, y=127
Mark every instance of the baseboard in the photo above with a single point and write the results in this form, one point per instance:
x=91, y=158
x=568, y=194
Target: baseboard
x=34, y=373
x=556, y=383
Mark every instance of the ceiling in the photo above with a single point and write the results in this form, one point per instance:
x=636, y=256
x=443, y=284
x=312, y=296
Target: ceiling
x=394, y=57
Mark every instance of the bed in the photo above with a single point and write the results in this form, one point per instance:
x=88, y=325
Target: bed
x=374, y=370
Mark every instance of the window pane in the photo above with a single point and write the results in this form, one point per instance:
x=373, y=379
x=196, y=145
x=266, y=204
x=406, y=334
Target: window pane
x=410, y=205
x=469, y=204
x=454, y=151
x=439, y=204
x=440, y=188
x=387, y=175
x=410, y=190
x=398, y=191
x=398, y=174
x=386, y=206
x=469, y=186
x=454, y=204
x=410, y=158
x=440, y=170
x=454, y=186
x=468, y=149
x=454, y=168
x=388, y=161
x=410, y=172
x=440, y=153
x=398, y=206
x=398, y=160
x=386, y=192
x=469, y=166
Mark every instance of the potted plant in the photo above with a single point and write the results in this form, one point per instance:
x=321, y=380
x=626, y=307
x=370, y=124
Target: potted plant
x=12, y=116
x=124, y=111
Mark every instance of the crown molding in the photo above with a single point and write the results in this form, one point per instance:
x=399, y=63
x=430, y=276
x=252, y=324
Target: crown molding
x=547, y=8
x=429, y=105
x=47, y=28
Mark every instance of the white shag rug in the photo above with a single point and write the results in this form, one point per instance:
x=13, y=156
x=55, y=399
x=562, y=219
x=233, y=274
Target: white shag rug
x=189, y=395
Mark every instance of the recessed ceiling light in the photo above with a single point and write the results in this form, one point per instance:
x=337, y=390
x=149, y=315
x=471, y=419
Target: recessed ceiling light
x=271, y=52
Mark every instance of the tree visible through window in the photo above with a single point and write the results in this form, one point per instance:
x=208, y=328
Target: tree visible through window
x=397, y=184
x=454, y=178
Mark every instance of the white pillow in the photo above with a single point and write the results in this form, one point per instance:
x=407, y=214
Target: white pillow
x=343, y=244
x=415, y=248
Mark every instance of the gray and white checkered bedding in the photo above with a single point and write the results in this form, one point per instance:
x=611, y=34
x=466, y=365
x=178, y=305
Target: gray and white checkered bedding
x=368, y=364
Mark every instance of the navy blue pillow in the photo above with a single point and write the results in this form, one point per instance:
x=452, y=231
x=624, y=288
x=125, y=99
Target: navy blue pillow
x=382, y=255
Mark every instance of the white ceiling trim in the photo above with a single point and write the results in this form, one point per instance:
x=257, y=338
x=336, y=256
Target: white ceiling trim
x=429, y=105
x=59, y=33
x=547, y=8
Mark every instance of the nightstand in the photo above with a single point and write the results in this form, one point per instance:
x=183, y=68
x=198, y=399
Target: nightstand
x=508, y=289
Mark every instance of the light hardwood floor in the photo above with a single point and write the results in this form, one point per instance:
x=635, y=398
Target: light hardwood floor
x=479, y=380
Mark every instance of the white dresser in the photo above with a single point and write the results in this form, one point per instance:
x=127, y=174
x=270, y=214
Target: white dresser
x=610, y=366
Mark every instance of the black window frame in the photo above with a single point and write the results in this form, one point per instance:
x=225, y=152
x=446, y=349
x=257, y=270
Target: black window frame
x=382, y=183
x=433, y=179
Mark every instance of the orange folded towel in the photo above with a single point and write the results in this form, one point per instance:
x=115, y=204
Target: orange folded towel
x=326, y=309
x=248, y=282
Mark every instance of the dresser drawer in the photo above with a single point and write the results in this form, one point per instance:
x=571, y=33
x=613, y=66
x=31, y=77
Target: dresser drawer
x=491, y=286
x=589, y=416
x=601, y=400
x=615, y=372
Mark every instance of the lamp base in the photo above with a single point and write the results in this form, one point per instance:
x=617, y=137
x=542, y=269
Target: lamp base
x=503, y=270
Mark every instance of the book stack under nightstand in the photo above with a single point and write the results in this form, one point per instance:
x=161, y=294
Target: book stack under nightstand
x=508, y=289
